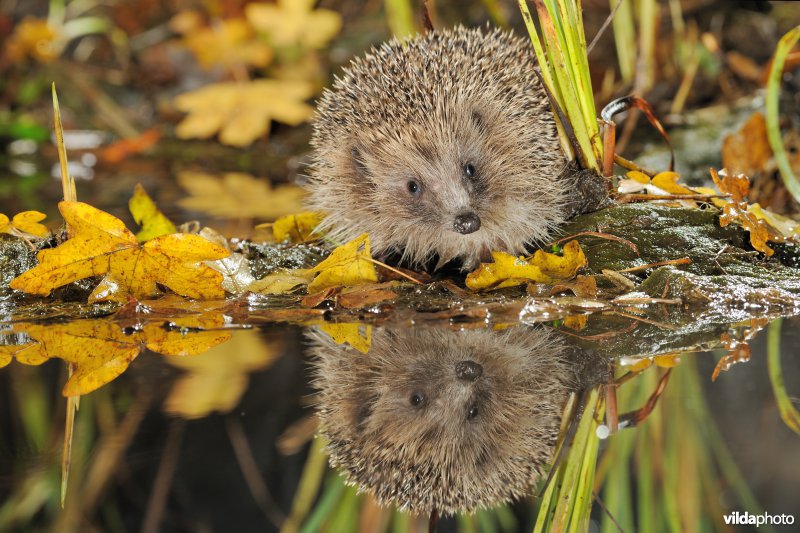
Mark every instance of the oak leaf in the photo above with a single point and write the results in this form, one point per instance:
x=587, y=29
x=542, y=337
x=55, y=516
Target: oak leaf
x=101, y=245
x=238, y=195
x=242, y=112
x=25, y=223
x=509, y=271
x=348, y=265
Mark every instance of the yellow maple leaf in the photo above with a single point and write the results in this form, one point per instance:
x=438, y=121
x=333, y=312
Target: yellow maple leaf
x=25, y=223
x=238, y=195
x=359, y=336
x=241, y=112
x=543, y=267
x=297, y=228
x=348, y=265
x=102, y=245
x=145, y=212
x=229, y=43
x=293, y=23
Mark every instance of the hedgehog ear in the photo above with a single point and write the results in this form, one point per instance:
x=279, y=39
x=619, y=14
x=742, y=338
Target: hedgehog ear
x=356, y=154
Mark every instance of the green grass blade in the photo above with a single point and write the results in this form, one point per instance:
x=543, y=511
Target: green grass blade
x=785, y=45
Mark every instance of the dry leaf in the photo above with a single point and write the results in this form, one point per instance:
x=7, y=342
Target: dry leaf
x=582, y=286
x=23, y=224
x=364, y=295
x=348, y=265
x=737, y=210
x=241, y=112
x=238, y=195
x=543, y=267
x=293, y=23
x=297, y=228
x=747, y=151
x=152, y=221
x=101, y=245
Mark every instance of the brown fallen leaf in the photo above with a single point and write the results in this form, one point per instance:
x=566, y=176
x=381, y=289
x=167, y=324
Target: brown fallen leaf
x=747, y=151
x=581, y=286
x=364, y=295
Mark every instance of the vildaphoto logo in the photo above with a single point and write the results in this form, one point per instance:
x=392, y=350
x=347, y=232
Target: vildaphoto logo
x=745, y=518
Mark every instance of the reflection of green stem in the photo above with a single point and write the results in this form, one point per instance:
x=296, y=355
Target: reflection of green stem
x=330, y=496
x=785, y=46
x=789, y=414
x=308, y=487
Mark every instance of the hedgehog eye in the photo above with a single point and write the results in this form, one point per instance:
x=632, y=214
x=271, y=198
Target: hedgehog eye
x=469, y=170
x=417, y=399
x=472, y=413
x=414, y=188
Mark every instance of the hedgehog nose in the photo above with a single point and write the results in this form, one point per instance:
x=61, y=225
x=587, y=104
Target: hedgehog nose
x=468, y=370
x=467, y=223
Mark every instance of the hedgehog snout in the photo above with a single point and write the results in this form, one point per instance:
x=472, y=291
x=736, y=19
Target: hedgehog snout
x=466, y=223
x=468, y=370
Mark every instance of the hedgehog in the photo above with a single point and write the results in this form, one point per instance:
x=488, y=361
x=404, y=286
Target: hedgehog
x=441, y=148
x=441, y=420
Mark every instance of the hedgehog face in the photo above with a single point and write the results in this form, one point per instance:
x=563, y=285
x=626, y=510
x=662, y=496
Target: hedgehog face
x=440, y=158
x=443, y=420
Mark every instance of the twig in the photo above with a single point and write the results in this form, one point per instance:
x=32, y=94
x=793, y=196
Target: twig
x=628, y=198
x=681, y=261
x=600, y=235
x=646, y=321
x=163, y=481
x=392, y=269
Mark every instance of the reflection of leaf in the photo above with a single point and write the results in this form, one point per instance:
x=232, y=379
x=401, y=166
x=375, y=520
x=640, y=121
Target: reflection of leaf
x=737, y=351
x=180, y=339
x=241, y=112
x=294, y=22
x=217, y=378
x=26, y=222
x=229, y=43
x=148, y=216
x=237, y=195
x=543, y=267
x=348, y=265
x=359, y=336
x=297, y=228
x=101, y=245
x=100, y=350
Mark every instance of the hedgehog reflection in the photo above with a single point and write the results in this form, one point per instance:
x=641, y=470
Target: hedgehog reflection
x=446, y=421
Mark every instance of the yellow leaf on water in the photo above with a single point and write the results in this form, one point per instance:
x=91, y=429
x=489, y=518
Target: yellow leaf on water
x=543, y=267
x=297, y=228
x=145, y=212
x=101, y=245
x=359, y=336
x=348, y=265
x=238, y=195
x=24, y=223
x=241, y=112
